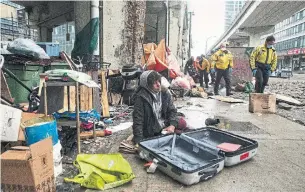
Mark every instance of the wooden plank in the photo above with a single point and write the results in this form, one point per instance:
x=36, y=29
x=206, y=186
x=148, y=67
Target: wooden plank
x=82, y=98
x=288, y=100
x=5, y=91
x=104, y=95
x=89, y=134
x=90, y=101
x=72, y=98
x=65, y=108
x=90, y=94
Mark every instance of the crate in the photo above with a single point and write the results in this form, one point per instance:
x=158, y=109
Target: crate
x=52, y=49
x=262, y=103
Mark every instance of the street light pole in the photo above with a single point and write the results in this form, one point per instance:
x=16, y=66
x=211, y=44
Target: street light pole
x=206, y=43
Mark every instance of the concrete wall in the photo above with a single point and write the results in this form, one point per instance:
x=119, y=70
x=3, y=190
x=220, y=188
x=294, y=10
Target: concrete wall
x=123, y=27
x=113, y=23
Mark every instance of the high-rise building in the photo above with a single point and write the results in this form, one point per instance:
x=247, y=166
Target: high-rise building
x=65, y=36
x=290, y=41
x=232, y=9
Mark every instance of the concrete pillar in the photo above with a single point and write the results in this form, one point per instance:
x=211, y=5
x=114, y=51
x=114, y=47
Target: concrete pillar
x=123, y=30
x=45, y=34
x=81, y=15
x=95, y=14
x=254, y=40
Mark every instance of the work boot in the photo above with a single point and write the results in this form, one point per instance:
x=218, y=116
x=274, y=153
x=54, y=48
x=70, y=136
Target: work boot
x=229, y=94
x=216, y=93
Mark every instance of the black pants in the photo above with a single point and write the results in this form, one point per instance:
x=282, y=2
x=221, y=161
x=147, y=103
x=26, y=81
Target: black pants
x=204, y=75
x=213, y=77
x=226, y=75
x=262, y=78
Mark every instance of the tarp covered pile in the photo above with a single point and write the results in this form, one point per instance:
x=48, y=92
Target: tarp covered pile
x=160, y=58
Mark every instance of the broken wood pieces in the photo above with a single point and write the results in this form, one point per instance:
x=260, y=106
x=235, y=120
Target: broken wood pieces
x=89, y=134
x=127, y=146
x=104, y=96
x=288, y=100
x=227, y=99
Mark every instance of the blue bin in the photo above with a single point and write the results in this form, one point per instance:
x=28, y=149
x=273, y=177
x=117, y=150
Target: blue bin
x=39, y=129
x=52, y=49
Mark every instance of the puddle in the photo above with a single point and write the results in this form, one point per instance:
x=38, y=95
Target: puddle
x=239, y=126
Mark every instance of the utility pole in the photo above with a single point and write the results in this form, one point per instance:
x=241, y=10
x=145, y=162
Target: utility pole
x=190, y=31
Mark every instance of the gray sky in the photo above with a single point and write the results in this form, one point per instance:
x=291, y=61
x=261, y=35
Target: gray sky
x=208, y=21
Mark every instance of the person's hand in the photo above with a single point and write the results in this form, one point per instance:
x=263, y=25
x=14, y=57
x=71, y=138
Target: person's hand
x=254, y=72
x=230, y=70
x=212, y=71
x=170, y=129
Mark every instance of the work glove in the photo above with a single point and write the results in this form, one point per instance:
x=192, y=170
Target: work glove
x=254, y=72
x=230, y=70
x=212, y=71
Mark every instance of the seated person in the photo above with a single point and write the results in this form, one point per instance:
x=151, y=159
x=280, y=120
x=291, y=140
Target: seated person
x=154, y=110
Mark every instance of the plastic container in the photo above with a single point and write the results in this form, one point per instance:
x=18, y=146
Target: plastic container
x=52, y=49
x=211, y=137
x=28, y=74
x=40, y=128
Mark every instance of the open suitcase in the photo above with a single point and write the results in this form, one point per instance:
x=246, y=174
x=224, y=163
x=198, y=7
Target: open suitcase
x=212, y=137
x=186, y=161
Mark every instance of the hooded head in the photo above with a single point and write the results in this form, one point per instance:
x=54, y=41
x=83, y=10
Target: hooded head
x=223, y=46
x=151, y=80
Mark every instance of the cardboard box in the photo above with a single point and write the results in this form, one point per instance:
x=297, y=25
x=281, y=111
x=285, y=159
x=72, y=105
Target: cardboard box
x=25, y=117
x=9, y=123
x=262, y=103
x=28, y=168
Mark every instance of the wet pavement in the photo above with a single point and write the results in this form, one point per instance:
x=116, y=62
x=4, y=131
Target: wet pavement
x=278, y=166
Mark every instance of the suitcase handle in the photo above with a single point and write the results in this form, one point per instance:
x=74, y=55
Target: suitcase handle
x=208, y=173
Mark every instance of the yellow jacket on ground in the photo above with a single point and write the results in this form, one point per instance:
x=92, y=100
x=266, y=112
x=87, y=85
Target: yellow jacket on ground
x=205, y=65
x=264, y=56
x=222, y=60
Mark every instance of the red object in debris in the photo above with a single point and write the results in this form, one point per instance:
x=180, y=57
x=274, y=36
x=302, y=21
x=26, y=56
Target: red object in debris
x=107, y=132
x=228, y=147
x=148, y=164
x=244, y=156
x=87, y=126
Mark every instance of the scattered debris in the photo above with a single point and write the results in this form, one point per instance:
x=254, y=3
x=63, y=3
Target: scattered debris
x=288, y=100
x=189, y=103
x=284, y=106
x=227, y=99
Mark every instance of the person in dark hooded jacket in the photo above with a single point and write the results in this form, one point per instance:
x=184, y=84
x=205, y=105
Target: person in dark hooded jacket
x=154, y=110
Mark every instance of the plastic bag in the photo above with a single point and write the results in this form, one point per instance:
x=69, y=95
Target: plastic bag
x=27, y=47
x=84, y=116
x=102, y=171
x=249, y=87
x=181, y=82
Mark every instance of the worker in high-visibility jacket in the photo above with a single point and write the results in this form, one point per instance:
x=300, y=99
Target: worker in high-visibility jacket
x=222, y=63
x=263, y=59
x=203, y=66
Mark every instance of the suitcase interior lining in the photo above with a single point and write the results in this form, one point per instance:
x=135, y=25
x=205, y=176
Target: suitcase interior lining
x=214, y=138
x=186, y=156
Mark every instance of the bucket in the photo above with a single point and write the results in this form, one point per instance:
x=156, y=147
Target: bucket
x=38, y=129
